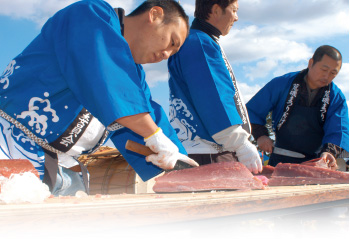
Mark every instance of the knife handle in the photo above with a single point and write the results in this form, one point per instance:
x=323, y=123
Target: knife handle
x=138, y=148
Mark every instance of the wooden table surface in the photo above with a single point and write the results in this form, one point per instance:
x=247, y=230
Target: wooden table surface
x=147, y=209
x=139, y=215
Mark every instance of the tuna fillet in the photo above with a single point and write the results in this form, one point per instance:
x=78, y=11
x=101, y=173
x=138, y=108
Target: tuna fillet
x=215, y=176
x=16, y=166
x=287, y=174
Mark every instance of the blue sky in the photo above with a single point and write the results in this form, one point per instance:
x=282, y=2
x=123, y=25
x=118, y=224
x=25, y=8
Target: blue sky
x=271, y=37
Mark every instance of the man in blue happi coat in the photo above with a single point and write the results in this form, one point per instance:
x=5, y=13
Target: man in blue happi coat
x=206, y=108
x=80, y=82
x=309, y=112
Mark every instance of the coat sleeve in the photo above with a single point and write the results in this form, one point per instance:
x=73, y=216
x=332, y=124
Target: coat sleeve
x=336, y=127
x=145, y=169
x=271, y=97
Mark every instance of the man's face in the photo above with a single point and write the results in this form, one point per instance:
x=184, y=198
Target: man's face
x=227, y=18
x=160, y=41
x=323, y=72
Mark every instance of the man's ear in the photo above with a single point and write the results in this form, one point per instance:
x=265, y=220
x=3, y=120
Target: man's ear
x=311, y=62
x=216, y=10
x=156, y=13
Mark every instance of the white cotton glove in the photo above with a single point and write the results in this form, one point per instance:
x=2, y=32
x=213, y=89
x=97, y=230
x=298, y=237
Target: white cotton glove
x=235, y=139
x=167, y=152
x=248, y=155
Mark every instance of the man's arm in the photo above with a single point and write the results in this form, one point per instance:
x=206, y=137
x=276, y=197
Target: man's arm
x=141, y=124
x=261, y=135
x=336, y=126
x=332, y=149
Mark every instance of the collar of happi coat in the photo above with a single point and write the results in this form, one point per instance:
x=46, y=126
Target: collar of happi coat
x=204, y=26
x=121, y=14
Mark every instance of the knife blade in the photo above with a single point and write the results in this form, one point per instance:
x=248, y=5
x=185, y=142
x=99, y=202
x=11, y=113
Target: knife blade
x=145, y=151
x=289, y=153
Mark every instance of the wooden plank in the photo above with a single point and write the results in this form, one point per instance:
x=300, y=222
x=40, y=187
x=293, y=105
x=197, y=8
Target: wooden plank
x=146, y=209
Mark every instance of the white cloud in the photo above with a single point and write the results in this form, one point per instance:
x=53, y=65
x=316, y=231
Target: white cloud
x=189, y=8
x=248, y=91
x=327, y=25
x=260, y=70
x=252, y=43
x=283, y=69
x=35, y=10
x=290, y=11
x=263, y=54
x=40, y=10
x=156, y=73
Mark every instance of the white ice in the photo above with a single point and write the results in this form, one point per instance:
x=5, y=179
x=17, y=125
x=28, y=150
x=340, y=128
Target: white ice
x=20, y=188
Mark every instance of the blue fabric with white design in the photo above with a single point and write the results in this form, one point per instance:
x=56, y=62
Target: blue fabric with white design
x=273, y=95
x=80, y=59
x=201, y=89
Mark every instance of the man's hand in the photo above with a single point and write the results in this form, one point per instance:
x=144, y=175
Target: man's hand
x=236, y=139
x=265, y=143
x=330, y=160
x=248, y=155
x=167, y=152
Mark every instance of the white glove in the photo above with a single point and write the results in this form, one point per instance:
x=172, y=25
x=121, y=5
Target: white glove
x=167, y=152
x=248, y=155
x=235, y=139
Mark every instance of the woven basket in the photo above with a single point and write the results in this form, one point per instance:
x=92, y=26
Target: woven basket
x=109, y=174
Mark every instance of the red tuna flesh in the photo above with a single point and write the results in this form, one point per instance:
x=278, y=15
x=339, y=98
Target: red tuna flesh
x=287, y=174
x=293, y=181
x=16, y=166
x=215, y=176
x=298, y=170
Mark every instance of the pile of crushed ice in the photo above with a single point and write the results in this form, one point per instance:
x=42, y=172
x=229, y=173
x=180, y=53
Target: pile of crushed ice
x=25, y=187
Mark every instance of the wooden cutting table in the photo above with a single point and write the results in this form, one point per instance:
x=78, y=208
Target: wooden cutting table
x=101, y=213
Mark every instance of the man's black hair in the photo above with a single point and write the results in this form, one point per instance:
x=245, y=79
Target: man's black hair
x=172, y=9
x=203, y=7
x=326, y=50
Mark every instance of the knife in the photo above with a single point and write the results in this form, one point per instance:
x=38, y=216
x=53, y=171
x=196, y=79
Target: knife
x=145, y=151
x=288, y=153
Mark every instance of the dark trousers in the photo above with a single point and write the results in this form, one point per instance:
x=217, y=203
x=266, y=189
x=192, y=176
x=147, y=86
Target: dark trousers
x=203, y=159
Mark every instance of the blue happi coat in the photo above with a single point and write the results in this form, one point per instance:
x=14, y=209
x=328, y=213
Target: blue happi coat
x=201, y=93
x=79, y=59
x=273, y=96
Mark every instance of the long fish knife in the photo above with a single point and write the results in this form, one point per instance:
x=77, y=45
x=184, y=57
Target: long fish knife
x=288, y=153
x=145, y=151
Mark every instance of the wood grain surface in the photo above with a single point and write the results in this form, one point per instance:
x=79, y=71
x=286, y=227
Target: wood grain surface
x=178, y=215
x=165, y=208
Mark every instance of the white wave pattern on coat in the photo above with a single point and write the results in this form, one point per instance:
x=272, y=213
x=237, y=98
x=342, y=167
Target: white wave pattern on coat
x=4, y=79
x=36, y=120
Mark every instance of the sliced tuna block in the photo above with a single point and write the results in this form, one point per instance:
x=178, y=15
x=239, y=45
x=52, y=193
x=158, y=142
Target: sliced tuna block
x=215, y=176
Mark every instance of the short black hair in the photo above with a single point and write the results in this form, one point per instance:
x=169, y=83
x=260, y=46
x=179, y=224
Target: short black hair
x=203, y=7
x=326, y=50
x=171, y=8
